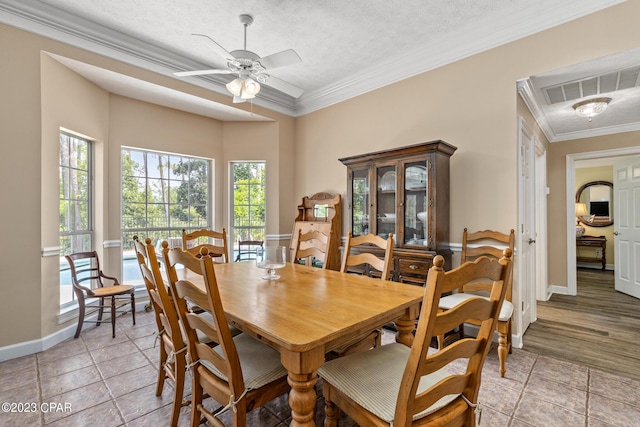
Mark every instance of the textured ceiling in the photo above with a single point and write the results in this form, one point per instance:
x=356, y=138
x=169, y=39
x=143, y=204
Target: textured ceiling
x=347, y=47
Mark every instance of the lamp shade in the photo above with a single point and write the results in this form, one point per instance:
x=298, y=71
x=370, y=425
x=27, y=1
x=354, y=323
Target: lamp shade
x=581, y=209
x=235, y=87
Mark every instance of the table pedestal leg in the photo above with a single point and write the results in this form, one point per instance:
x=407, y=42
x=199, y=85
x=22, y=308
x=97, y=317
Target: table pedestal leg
x=405, y=327
x=302, y=398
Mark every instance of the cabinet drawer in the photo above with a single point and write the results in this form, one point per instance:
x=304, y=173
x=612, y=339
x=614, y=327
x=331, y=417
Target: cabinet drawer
x=413, y=267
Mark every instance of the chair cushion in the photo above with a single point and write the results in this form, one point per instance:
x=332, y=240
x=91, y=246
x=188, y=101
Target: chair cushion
x=260, y=363
x=107, y=291
x=372, y=379
x=450, y=301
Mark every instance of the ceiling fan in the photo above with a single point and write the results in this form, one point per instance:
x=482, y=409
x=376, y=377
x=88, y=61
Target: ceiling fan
x=250, y=68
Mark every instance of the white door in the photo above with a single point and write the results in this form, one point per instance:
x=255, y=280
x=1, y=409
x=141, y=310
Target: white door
x=526, y=250
x=626, y=199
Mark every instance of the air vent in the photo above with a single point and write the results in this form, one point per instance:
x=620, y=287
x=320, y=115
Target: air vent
x=593, y=86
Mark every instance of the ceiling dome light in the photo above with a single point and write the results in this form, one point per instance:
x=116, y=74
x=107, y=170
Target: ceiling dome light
x=591, y=107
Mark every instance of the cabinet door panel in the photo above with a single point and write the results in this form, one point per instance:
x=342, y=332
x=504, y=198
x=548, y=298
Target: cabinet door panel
x=415, y=204
x=387, y=182
x=360, y=201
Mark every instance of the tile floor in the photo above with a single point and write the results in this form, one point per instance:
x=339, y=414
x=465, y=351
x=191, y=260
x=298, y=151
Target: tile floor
x=99, y=381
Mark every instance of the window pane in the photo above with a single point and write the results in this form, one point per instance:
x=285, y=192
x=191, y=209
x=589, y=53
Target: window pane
x=158, y=191
x=157, y=165
x=256, y=194
x=157, y=216
x=78, y=216
x=179, y=216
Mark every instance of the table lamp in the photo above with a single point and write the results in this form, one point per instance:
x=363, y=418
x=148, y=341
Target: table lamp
x=581, y=210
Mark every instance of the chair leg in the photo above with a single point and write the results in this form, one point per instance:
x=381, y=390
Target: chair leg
x=133, y=307
x=196, y=399
x=113, y=317
x=503, y=331
x=180, y=367
x=332, y=414
x=161, y=372
x=100, y=310
x=80, y=317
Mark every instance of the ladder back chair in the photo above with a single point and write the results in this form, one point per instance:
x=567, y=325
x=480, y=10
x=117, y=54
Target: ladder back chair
x=312, y=245
x=173, y=349
x=383, y=265
x=374, y=338
x=214, y=241
x=486, y=243
x=240, y=372
x=248, y=249
x=394, y=385
x=88, y=284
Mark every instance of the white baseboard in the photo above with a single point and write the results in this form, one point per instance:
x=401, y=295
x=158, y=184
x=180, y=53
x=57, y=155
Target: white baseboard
x=26, y=348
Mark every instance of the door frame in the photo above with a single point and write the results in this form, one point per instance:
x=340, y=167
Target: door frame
x=572, y=274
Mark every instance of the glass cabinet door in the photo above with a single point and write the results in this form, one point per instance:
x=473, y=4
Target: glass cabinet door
x=416, y=209
x=386, y=200
x=360, y=202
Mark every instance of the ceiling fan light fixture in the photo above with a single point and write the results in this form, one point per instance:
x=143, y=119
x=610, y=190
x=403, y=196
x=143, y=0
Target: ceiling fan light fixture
x=244, y=87
x=590, y=108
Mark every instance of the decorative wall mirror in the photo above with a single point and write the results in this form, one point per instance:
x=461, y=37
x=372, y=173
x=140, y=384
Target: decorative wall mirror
x=598, y=197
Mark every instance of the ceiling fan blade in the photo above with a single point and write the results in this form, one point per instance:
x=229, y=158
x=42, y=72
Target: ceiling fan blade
x=222, y=52
x=284, y=87
x=280, y=59
x=202, y=72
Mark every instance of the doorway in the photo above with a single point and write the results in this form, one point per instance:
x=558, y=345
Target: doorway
x=606, y=156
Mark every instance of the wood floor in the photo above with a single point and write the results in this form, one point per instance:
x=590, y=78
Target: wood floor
x=599, y=327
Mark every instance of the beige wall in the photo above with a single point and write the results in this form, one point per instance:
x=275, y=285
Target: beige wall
x=471, y=104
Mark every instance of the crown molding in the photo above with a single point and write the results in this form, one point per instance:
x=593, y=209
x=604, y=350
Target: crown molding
x=602, y=131
x=527, y=93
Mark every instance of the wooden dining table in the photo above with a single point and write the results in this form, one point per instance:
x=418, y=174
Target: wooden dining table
x=308, y=312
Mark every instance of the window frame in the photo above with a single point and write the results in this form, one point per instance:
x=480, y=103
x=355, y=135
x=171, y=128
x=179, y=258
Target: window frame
x=169, y=232
x=232, y=205
x=65, y=271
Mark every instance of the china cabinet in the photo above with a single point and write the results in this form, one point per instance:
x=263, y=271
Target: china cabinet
x=404, y=192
